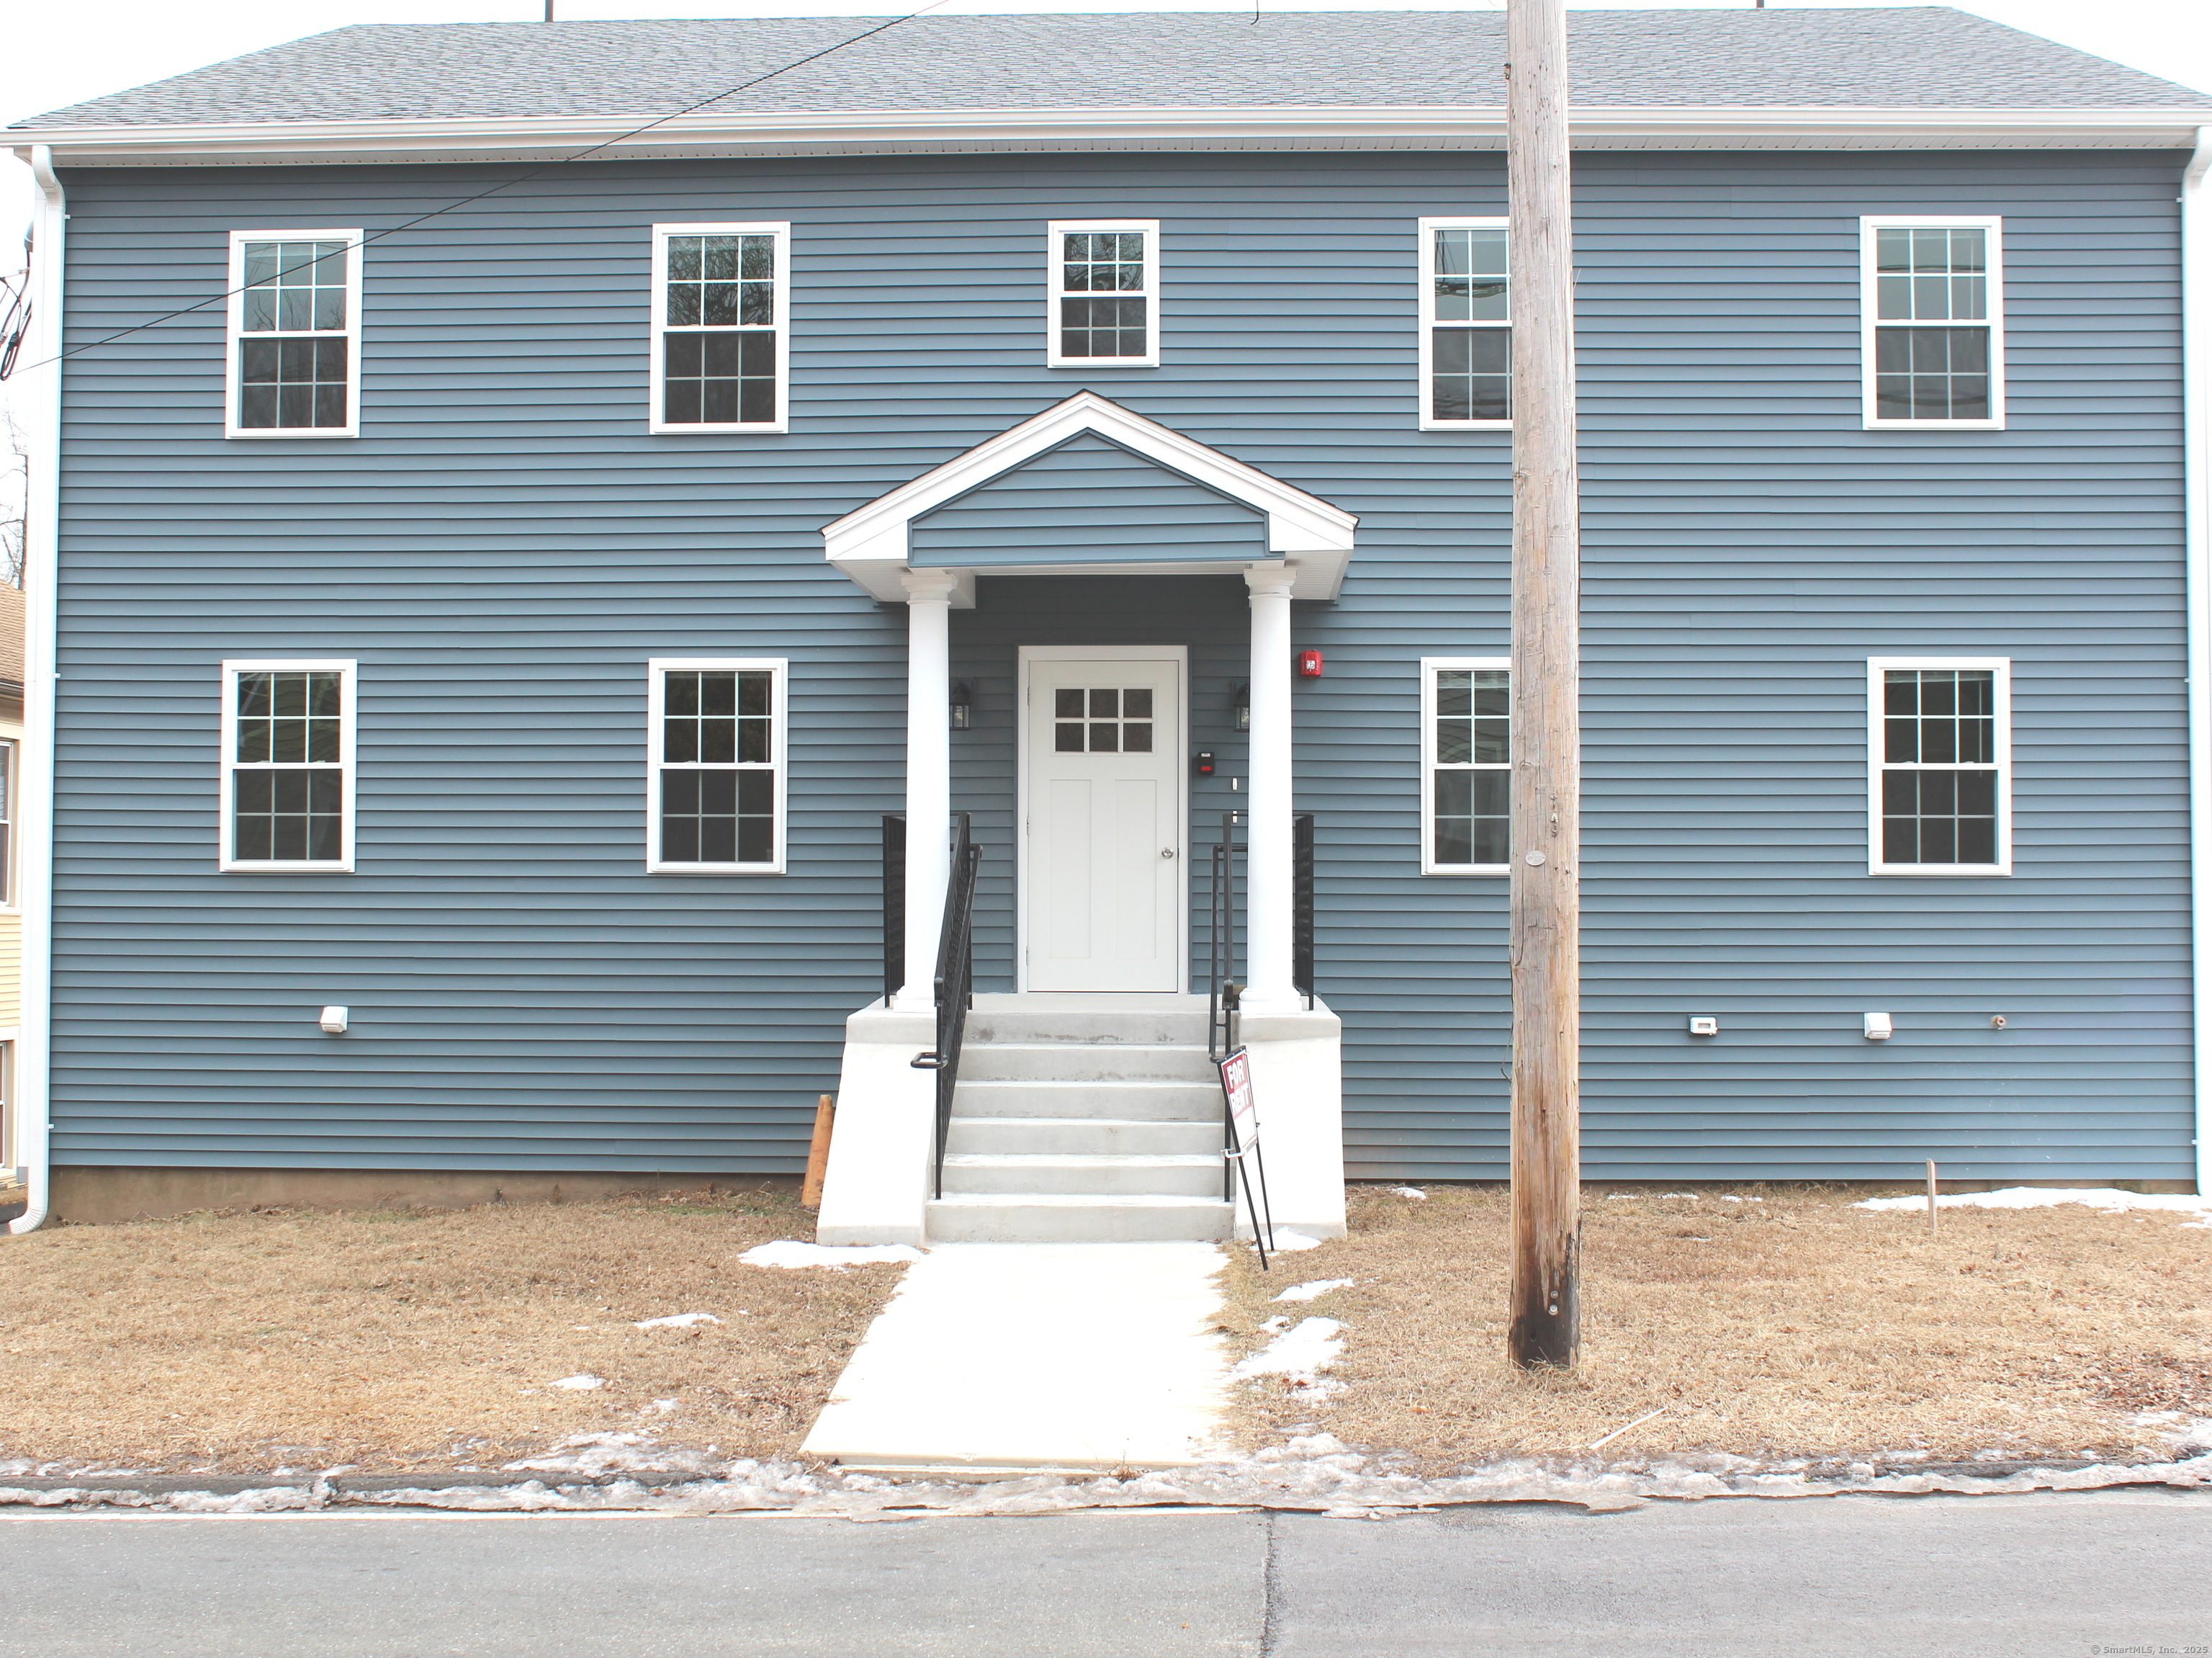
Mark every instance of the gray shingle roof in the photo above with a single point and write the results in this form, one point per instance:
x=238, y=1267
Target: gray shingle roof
x=1923, y=57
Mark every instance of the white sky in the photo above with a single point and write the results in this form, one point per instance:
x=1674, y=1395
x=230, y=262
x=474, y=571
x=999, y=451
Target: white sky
x=58, y=54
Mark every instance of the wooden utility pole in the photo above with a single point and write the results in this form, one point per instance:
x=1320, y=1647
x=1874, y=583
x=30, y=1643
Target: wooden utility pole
x=1546, y=1321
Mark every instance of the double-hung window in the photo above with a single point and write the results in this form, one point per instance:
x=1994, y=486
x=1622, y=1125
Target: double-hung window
x=720, y=325
x=294, y=336
x=287, y=766
x=1466, y=764
x=1466, y=326
x=1103, y=293
x=714, y=765
x=1941, y=765
x=7, y=824
x=1932, y=295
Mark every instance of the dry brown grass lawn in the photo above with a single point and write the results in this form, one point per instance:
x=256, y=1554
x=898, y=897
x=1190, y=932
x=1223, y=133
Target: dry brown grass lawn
x=1797, y=1325
x=416, y=1339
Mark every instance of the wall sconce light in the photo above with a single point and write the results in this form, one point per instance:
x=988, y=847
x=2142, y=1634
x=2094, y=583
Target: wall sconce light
x=1242, y=699
x=963, y=704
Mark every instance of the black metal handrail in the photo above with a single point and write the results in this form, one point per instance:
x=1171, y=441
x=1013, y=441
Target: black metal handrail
x=894, y=903
x=1221, y=990
x=954, y=984
x=1302, y=905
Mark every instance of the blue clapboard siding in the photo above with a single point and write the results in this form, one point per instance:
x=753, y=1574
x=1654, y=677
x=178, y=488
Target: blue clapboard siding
x=505, y=546
x=1088, y=501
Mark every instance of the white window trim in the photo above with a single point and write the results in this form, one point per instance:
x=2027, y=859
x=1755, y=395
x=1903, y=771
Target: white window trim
x=782, y=231
x=1425, y=273
x=348, y=671
x=234, y=331
x=1053, y=293
x=657, y=668
x=1868, y=294
x=2002, y=700
x=1430, y=666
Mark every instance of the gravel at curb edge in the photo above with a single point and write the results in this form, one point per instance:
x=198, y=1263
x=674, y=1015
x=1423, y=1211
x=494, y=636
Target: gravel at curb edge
x=1342, y=1485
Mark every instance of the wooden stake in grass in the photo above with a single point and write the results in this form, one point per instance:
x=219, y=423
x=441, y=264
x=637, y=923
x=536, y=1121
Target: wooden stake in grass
x=818, y=1152
x=1931, y=1197
x=1545, y=1327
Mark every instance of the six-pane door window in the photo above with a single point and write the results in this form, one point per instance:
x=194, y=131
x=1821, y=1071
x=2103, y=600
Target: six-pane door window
x=1101, y=722
x=287, y=766
x=719, y=326
x=1468, y=753
x=294, y=333
x=1467, y=332
x=1105, y=281
x=1935, y=340
x=1942, y=757
x=717, y=765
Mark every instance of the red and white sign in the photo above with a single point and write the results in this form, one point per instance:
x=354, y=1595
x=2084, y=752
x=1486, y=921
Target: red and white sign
x=1236, y=1085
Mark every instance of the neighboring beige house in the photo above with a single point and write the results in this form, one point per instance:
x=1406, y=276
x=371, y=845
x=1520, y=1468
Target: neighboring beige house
x=11, y=918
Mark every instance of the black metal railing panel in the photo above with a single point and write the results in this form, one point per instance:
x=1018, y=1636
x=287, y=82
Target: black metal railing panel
x=894, y=903
x=1221, y=986
x=954, y=984
x=1302, y=905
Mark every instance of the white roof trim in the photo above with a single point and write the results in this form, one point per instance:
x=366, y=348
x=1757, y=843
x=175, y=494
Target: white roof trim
x=1270, y=126
x=870, y=544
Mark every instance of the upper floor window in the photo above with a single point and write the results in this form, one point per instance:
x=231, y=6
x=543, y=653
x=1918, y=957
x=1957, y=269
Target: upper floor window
x=294, y=336
x=720, y=313
x=1932, y=294
x=1466, y=328
x=1105, y=294
x=7, y=823
x=1466, y=764
x=1941, y=784
x=714, y=766
x=287, y=766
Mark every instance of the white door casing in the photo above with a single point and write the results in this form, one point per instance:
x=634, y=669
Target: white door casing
x=1104, y=884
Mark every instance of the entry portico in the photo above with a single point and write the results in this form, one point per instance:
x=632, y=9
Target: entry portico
x=1087, y=488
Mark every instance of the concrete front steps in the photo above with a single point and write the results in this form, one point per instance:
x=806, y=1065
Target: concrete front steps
x=1083, y=1119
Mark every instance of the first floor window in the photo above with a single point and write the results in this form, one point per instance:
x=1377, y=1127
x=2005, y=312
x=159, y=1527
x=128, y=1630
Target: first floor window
x=720, y=306
x=714, y=765
x=1466, y=327
x=1103, y=293
x=287, y=766
x=294, y=333
x=1942, y=757
x=1931, y=292
x=1466, y=764
x=7, y=823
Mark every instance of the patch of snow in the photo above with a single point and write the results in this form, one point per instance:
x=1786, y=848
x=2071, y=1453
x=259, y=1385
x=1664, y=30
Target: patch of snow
x=1411, y=1192
x=1314, y=1290
x=677, y=1321
x=582, y=1382
x=787, y=1252
x=2110, y=1199
x=1299, y=1354
x=1284, y=1243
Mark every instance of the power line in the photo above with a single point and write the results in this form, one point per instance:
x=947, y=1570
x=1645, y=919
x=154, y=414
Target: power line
x=508, y=183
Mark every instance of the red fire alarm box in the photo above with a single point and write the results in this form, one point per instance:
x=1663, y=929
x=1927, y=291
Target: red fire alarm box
x=1309, y=664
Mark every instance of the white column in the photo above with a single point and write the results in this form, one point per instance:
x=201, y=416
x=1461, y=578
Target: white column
x=1267, y=894
x=928, y=775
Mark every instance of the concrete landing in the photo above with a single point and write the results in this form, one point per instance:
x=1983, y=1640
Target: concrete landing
x=1026, y=1356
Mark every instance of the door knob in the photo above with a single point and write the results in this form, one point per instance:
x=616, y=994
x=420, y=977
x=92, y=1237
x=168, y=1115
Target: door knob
x=1167, y=851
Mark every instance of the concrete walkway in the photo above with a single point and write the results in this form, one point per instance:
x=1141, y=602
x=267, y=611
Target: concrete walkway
x=1038, y=1355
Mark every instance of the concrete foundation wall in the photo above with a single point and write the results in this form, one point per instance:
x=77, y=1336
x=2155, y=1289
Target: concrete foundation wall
x=96, y=1195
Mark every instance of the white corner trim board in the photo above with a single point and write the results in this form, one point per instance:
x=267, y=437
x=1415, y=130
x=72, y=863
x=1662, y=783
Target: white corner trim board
x=2196, y=494
x=1229, y=126
x=870, y=544
x=42, y=406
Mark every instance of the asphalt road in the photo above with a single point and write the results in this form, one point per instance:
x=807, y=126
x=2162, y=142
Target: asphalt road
x=2079, y=1573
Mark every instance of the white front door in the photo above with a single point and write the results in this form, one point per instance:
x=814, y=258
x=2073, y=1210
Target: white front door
x=1102, y=844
